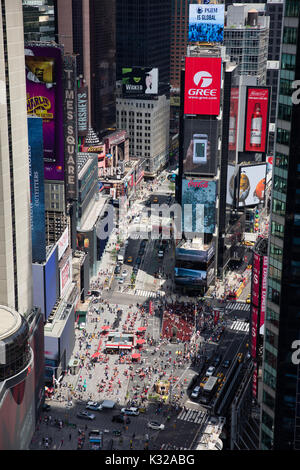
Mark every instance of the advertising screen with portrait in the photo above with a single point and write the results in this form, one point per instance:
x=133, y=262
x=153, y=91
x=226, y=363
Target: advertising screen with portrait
x=256, y=130
x=139, y=81
x=252, y=184
x=200, y=146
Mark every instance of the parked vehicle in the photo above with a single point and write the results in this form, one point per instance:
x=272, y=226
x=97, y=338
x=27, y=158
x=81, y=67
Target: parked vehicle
x=85, y=415
x=195, y=392
x=133, y=411
x=156, y=426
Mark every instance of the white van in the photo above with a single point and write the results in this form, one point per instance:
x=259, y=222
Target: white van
x=120, y=259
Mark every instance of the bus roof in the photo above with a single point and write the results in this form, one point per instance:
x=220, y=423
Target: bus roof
x=211, y=382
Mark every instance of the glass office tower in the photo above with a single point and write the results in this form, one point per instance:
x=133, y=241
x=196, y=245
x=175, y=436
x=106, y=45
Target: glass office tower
x=280, y=416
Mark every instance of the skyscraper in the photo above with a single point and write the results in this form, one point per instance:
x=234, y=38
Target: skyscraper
x=15, y=233
x=280, y=417
x=179, y=36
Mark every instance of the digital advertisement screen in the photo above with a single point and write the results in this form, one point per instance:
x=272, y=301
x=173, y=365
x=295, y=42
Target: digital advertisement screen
x=252, y=184
x=233, y=119
x=51, y=282
x=189, y=276
x=140, y=81
x=202, y=85
x=198, y=205
x=183, y=254
x=230, y=188
x=206, y=23
x=200, y=146
x=257, y=111
x=45, y=100
x=254, y=319
x=37, y=192
x=255, y=279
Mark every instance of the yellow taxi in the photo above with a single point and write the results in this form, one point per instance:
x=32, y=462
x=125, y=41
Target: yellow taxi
x=248, y=300
x=155, y=199
x=129, y=259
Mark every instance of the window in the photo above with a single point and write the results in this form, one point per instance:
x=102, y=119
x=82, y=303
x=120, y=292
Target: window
x=290, y=35
x=273, y=295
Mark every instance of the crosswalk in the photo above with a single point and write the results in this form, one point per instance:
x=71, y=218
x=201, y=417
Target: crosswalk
x=238, y=306
x=193, y=416
x=147, y=293
x=240, y=326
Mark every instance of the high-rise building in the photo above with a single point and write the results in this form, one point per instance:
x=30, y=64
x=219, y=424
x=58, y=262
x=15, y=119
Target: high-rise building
x=280, y=417
x=143, y=37
x=15, y=249
x=39, y=20
x=179, y=36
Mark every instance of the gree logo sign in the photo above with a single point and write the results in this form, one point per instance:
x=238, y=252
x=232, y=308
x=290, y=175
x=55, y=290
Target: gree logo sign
x=203, y=79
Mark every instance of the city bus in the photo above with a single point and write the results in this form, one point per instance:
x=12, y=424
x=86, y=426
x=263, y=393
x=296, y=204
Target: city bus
x=208, y=390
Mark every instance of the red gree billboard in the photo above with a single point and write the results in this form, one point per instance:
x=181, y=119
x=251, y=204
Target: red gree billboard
x=202, y=86
x=257, y=119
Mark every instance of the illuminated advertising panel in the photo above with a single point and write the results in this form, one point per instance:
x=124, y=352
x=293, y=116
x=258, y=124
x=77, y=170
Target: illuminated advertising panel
x=199, y=206
x=252, y=184
x=206, y=23
x=183, y=254
x=202, y=85
x=233, y=118
x=51, y=290
x=263, y=290
x=255, y=279
x=45, y=99
x=230, y=189
x=200, y=146
x=254, y=331
x=257, y=110
x=82, y=111
x=139, y=81
x=65, y=276
x=63, y=243
x=37, y=192
x=190, y=277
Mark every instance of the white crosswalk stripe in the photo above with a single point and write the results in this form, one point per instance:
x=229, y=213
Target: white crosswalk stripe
x=240, y=326
x=238, y=306
x=192, y=416
x=171, y=447
x=145, y=293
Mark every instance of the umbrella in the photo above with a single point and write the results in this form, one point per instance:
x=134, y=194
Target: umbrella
x=140, y=341
x=142, y=328
x=105, y=327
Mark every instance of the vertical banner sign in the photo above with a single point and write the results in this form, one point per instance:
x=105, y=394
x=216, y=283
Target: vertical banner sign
x=70, y=126
x=202, y=85
x=36, y=169
x=254, y=382
x=256, y=131
x=233, y=118
x=82, y=111
x=263, y=290
x=255, y=279
x=253, y=332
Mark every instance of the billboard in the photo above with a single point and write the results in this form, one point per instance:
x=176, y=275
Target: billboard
x=200, y=256
x=45, y=99
x=254, y=318
x=51, y=271
x=65, y=275
x=38, y=286
x=200, y=146
x=63, y=243
x=252, y=183
x=70, y=126
x=233, y=119
x=185, y=276
x=255, y=279
x=199, y=206
x=202, y=85
x=37, y=193
x=139, y=81
x=230, y=187
x=263, y=290
x=206, y=23
x=82, y=111
x=257, y=117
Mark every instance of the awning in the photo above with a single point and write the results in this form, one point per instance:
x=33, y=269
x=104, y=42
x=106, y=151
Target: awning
x=142, y=328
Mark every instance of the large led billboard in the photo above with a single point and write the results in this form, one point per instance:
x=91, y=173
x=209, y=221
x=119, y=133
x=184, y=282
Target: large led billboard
x=200, y=146
x=200, y=256
x=257, y=117
x=190, y=277
x=139, y=81
x=206, y=23
x=252, y=182
x=198, y=206
x=51, y=284
x=44, y=99
x=37, y=193
x=233, y=119
x=202, y=85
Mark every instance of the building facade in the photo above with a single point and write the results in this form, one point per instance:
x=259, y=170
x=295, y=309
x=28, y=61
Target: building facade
x=280, y=418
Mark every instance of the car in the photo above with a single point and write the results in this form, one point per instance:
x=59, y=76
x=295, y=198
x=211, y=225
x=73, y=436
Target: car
x=121, y=419
x=82, y=325
x=135, y=269
x=155, y=199
x=160, y=254
x=132, y=411
x=210, y=371
x=129, y=259
x=248, y=300
x=93, y=405
x=46, y=407
x=156, y=426
x=124, y=273
x=195, y=392
x=138, y=261
x=121, y=280
x=141, y=251
x=85, y=415
x=143, y=243
x=217, y=361
x=117, y=269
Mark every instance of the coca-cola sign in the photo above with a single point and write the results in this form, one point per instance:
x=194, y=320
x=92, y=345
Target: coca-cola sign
x=257, y=119
x=202, y=85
